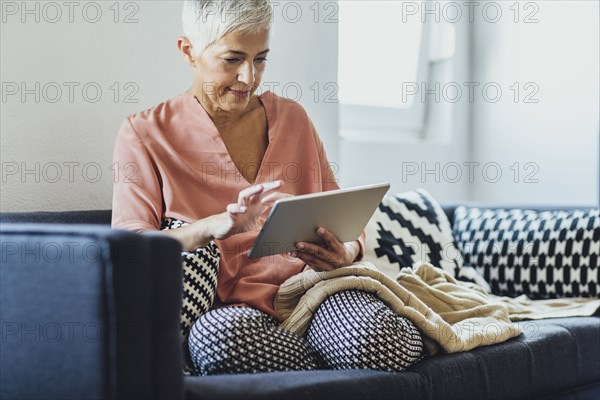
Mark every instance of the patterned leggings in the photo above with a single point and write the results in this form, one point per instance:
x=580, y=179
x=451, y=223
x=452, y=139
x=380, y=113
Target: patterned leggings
x=351, y=329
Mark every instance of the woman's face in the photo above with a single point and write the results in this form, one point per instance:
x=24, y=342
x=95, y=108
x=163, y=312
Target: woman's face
x=229, y=71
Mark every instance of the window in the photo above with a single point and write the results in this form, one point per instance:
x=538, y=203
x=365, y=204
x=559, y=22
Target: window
x=382, y=59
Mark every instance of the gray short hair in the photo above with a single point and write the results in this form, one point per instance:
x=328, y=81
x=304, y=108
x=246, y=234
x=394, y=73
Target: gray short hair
x=206, y=21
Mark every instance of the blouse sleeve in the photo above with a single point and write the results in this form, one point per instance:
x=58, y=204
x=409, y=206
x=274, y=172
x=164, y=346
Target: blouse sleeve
x=137, y=195
x=329, y=181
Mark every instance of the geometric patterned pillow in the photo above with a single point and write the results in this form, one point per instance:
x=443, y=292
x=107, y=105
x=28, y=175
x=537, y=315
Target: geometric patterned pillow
x=200, y=272
x=542, y=254
x=410, y=227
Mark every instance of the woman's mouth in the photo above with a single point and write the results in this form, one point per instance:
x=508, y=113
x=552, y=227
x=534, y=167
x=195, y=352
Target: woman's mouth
x=242, y=94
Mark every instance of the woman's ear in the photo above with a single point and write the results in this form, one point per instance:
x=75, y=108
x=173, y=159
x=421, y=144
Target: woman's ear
x=186, y=49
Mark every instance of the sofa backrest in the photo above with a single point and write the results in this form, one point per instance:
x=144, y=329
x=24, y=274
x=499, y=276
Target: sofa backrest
x=103, y=217
x=95, y=217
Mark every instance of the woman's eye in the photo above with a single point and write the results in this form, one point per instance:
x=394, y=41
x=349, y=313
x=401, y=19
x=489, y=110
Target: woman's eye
x=232, y=60
x=261, y=60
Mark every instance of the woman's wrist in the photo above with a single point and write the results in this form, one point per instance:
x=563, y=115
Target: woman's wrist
x=205, y=229
x=354, y=249
x=359, y=251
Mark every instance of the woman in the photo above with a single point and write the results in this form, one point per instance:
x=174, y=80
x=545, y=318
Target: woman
x=208, y=165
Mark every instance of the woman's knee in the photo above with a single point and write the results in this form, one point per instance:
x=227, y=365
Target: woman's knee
x=244, y=339
x=355, y=329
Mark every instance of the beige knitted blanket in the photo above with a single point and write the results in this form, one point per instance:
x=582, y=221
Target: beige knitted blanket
x=452, y=315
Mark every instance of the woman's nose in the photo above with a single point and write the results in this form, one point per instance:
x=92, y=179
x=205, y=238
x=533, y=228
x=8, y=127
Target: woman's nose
x=246, y=73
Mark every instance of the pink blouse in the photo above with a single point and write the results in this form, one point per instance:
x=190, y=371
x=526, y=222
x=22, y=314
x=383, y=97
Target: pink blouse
x=173, y=164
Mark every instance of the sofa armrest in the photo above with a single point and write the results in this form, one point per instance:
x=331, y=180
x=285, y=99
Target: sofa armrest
x=89, y=312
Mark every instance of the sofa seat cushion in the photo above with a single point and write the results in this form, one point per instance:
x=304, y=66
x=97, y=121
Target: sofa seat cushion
x=551, y=356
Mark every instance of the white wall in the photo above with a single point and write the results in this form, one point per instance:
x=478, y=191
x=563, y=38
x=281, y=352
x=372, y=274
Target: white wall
x=559, y=134
x=303, y=64
x=67, y=146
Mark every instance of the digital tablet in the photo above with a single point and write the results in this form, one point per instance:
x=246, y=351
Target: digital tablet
x=344, y=212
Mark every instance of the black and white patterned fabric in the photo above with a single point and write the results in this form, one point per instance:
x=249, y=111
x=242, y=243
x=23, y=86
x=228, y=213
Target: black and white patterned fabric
x=356, y=330
x=200, y=272
x=411, y=227
x=351, y=329
x=237, y=339
x=544, y=254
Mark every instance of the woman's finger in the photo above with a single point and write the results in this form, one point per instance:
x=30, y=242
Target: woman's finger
x=245, y=194
x=235, y=208
x=272, y=185
x=332, y=242
x=314, y=261
x=271, y=197
x=333, y=257
x=315, y=249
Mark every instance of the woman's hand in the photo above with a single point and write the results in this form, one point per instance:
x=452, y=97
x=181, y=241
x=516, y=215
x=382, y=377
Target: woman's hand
x=244, y=216
x=333, y=254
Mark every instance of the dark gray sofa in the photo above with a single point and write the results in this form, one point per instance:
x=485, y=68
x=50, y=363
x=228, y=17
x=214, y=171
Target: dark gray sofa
x=90, y=312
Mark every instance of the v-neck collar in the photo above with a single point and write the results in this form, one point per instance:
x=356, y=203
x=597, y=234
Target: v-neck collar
x=217, y=136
